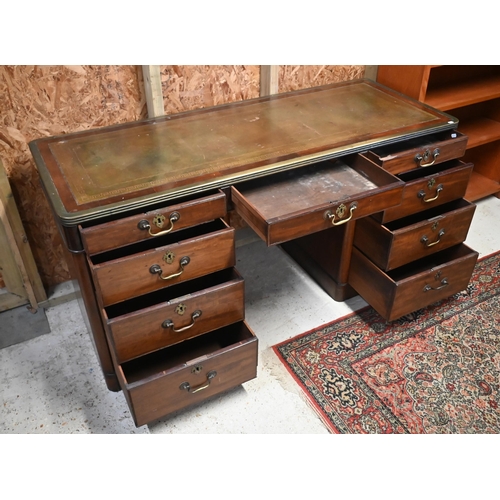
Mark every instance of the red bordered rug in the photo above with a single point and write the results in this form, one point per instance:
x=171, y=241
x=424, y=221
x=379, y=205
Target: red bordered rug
x=434, y=372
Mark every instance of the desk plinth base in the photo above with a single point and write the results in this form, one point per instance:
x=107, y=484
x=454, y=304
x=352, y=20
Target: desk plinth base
x=325, y=256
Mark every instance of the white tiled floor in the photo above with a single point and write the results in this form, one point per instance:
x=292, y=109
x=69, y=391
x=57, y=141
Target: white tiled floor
x=53, y=384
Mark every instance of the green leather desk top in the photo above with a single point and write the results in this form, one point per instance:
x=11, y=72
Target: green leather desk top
x=96, y=173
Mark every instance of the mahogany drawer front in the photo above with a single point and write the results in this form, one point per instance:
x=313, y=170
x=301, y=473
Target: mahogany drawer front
x=411, y=238
x=421, y=152
x=149, y=225
x=176, y=377
x=207, y=248
x=414, y=286
x=175, y=314
x=444, y=183
x=300, y=202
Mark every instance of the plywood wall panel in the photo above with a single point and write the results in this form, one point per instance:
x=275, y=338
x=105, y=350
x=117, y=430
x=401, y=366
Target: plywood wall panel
x=300, y=77
x=193, y=87
x=37, y=101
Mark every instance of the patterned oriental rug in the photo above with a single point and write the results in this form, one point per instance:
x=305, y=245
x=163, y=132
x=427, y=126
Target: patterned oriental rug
x=434, y=372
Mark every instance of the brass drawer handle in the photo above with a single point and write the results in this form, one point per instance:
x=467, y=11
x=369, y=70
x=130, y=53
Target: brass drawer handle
x=156, y=269
x=168, y=323
x=425, y=157
x=158, y=222
x=340, y=213
x=425, y=240
x=186, y=387
x=444, y=282
x=421, y=194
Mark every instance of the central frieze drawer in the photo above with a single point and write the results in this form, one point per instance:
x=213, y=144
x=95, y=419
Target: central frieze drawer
x=188, y=373
x=411, y=238
x=174, y=314
x=413, y=286
x=306, y=200
x=153, y=264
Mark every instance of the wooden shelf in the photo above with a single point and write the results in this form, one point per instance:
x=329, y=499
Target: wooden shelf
x=480, y=131
x=480, y=187
x=472, y=94
x=459, y=94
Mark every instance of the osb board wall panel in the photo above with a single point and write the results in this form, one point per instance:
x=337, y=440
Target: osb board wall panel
x=37, y=101
x=300, y=77
x=193, y=87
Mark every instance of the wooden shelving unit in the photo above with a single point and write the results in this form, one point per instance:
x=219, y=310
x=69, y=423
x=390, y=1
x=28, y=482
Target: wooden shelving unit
x=470, y=93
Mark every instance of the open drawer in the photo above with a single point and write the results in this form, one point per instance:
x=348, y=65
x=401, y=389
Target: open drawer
x=421, y=152
x=413, y=286
x=153, y=224
x=309, y=199
x=176, y=377
x=430, y=187
x=175, y=314
x=399, y=242
x=152, y=264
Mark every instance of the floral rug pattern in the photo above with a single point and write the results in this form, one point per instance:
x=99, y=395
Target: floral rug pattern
x=436, y=371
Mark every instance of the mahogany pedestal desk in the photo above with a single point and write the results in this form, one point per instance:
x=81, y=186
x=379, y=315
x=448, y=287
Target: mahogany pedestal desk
x=361, y=185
